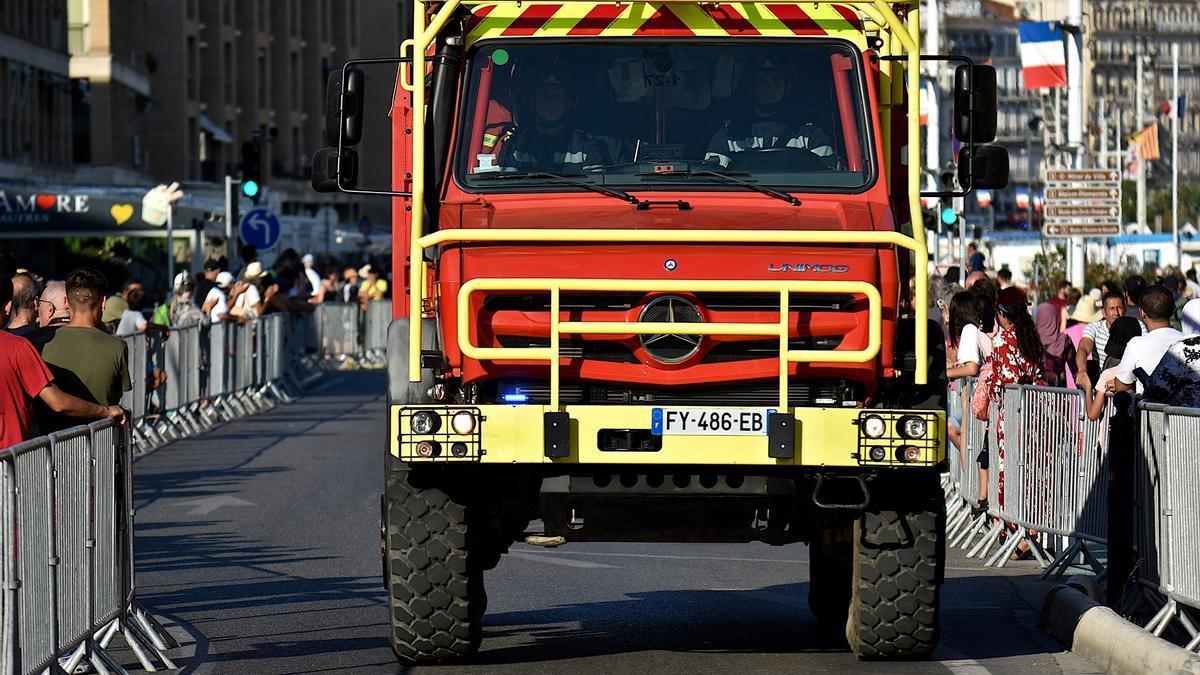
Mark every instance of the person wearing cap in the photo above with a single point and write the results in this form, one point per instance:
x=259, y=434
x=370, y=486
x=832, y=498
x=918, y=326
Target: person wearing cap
x=183, y=310
x=206, y=280
x=215, y=305
x=373, y=288
x=771, y=123
x=550, y=142
x=246, y=299
x=310, y=273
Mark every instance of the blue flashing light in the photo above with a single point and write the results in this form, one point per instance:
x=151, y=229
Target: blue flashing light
x=515, y=397
x=250, y=188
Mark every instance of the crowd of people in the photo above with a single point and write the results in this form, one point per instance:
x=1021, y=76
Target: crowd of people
x=63, y=361
x=1136, y=336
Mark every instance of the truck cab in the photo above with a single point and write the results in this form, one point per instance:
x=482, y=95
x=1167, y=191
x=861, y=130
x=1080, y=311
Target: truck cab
x=661, y=282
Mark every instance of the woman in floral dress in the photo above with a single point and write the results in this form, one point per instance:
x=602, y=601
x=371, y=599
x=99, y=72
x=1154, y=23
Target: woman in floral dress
x=1017, y=358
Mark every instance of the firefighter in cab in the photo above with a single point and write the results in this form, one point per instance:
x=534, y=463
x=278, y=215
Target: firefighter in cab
x=545, y=138
x=780, y=132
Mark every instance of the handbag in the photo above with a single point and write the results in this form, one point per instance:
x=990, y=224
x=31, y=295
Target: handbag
x=980, y=398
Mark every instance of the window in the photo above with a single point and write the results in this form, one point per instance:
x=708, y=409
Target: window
x=615, y=113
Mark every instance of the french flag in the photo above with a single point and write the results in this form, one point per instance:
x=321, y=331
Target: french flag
x=1043, y=55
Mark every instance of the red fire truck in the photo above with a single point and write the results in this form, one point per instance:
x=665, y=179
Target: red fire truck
x=661, y=276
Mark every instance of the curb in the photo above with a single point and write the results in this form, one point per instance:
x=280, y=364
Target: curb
x=1101, y=636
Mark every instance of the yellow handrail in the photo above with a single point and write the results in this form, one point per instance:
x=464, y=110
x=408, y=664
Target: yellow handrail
x=880, y=11
x=555, y=287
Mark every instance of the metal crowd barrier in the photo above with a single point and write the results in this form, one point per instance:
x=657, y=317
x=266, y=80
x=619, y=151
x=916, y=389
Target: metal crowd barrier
x=1167, y=530
x=1049, y=489
x=66, y=539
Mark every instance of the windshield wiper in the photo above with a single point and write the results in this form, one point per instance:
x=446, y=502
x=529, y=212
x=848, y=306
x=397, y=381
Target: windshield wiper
x=568, y=179
x=729, y=178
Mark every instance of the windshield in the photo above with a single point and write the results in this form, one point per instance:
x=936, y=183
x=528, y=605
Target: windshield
x=781, y=114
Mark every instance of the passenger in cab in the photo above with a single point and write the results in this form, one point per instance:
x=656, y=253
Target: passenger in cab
x=550, y=142
x=770, y=123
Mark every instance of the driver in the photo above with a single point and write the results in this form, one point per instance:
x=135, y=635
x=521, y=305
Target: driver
x=769, y=123
x=550, y=143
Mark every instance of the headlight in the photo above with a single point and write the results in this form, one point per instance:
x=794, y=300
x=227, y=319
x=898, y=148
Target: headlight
x=463, y=422
x=913, y=427
x=873, y=426
x=425, y=422
x=908, y=453
x=428, y=449
x=458, y=449
x=878, y=453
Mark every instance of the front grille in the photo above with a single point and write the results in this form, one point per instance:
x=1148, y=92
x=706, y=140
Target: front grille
x=716, y=302
x=611, y=351
x=823, y=393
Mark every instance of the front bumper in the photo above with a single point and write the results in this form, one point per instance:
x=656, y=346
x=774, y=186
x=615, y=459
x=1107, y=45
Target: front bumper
x=529, y=434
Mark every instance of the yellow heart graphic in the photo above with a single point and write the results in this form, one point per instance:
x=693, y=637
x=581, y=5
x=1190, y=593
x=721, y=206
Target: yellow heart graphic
x=121, y=213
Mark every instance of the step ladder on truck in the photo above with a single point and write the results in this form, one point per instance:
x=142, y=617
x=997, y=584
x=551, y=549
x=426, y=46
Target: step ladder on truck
x=658, y=280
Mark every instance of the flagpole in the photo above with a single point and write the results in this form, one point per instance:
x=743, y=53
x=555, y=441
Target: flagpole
x=1141, y=164
x=1175, y=155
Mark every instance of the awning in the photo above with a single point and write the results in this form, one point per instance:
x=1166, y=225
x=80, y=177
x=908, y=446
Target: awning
x=217, y=133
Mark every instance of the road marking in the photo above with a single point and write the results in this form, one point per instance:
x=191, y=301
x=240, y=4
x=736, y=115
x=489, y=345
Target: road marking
x=555, y=560
x=680, y=557
x=207, y=505
x=958, y=663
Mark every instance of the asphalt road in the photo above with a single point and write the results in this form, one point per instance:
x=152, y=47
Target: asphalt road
x=258, y=545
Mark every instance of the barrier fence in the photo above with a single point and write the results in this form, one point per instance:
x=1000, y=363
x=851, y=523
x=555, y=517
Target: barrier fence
x=1050, y=485
x=199, y=375
x=66, y=499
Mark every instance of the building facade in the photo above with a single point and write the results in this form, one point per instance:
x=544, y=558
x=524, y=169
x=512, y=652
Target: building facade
x=35, y=90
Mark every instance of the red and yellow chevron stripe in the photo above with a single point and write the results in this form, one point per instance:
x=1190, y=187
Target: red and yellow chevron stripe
x=549, y=19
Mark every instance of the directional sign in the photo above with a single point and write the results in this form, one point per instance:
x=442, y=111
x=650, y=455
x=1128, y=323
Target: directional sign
x=1082, y=203
x=260, y=227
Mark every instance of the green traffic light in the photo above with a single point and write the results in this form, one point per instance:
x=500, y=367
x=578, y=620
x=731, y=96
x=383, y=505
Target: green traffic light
x=949, y=217
x=250, y=188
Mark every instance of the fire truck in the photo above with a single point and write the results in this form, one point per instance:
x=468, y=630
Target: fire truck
x=661, y=275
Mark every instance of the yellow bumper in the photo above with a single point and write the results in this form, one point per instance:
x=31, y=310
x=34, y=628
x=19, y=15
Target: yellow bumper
x=514, y=434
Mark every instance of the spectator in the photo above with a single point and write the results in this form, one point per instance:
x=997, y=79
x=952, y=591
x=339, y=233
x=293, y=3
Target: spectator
x=1060, y=299
x=115, y=308
x=1074, y=295
x=24, y=378
x=972, y=347
x=208, y=279
x=1190, y=317
x=1108, y=286
x=215, y=306
x=1145, y=351
x=1193, y=285
x=953, y=274
x=246, y=298
x=373, y=288
x=330, y=286
x=1017, y=358
x=1122, y=330
x=1004, y=277
x=22, y=319
x=1095, y=338
x=1055, y=344
x=350, y=285
x=1176, y=379
x=1182, y=297
x=975, y=262
x=183, y=310
x=132, y=319
x=1134, y=285
x=86, y=361
x=276, y=297
x=310, y=273
x=985, y=297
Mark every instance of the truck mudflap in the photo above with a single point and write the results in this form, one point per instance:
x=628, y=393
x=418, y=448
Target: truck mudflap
x=644, y=434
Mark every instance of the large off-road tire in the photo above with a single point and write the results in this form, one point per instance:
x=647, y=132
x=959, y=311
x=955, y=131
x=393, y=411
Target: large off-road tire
x=436, y=599
x=830, y=558
x=898, y=565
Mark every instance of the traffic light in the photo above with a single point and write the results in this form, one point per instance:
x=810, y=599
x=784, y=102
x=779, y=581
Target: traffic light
x=947, y=209
x=252, y=179
x=946, y=213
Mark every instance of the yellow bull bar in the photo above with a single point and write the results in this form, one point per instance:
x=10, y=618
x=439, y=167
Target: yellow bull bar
x=899, y=84
x=778, y=329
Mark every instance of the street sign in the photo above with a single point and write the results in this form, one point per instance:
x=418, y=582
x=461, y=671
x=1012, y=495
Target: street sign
x=260, y=228
x=1082, y=203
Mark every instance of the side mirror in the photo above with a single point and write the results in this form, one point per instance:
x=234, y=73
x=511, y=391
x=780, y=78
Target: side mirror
x=330, y=175
x=986, y=168
x=975, y=104
x=344, y=123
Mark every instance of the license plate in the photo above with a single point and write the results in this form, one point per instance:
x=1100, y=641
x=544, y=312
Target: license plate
x=709, y=421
